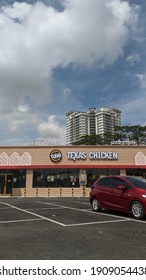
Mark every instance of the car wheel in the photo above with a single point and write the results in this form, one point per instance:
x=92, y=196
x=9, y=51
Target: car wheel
x=95, y=205
x=137, y=210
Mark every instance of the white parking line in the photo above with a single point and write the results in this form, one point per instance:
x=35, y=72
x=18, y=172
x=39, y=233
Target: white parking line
x=58, y=206
x=97, y=213
x=139, y=221
x=18, y=221
x=31, y=213
x=87, y=211
x=42, y=208
x=100, y=222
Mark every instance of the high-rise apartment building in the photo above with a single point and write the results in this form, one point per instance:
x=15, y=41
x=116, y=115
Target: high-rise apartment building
x=91, y=122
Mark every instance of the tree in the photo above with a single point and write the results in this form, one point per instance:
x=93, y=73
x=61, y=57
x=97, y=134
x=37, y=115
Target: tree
x=135, y=133
x=90, y=140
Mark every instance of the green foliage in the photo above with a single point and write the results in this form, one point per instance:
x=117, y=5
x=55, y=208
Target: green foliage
x=135, y=133
x=89, y=140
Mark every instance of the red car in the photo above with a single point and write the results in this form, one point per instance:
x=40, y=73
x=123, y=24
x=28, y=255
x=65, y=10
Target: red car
x=121, y=193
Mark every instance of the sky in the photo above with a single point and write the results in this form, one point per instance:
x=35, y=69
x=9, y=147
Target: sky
x=62, y=55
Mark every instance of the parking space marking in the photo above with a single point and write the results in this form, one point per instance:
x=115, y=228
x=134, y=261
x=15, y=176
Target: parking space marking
x=42, y=208
x=58, y=206
x=97, y=213
x=139, y=221
x=100, y=222
x=34, y=214
x=18, y=221
x=88, y=211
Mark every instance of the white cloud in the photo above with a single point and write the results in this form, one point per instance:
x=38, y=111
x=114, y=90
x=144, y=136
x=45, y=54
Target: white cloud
x=19, y=12
x=23, y=108
x=133, y=58
x=66, y=92
x=142, y=80
x=36, y=39
x=52, y=130
x=20, y=120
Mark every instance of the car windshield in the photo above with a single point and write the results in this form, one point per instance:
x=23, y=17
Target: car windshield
x=139, y=183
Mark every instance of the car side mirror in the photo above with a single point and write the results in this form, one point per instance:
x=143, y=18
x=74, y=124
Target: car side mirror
x=121, y=188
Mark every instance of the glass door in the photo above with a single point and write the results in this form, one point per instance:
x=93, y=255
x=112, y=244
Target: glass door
x=6, y=184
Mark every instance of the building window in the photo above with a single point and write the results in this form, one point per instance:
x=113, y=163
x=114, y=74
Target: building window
x=94, y=174
x=56, y=178
x=67, y=178
x=19, y=180
x=136, y=172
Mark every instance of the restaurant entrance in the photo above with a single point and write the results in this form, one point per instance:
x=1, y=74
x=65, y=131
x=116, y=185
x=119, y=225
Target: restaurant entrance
x=6, y=184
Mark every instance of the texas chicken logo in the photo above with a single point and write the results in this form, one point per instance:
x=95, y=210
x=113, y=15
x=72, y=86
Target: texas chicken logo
x=56, y=156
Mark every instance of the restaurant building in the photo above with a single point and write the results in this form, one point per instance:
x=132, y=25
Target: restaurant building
x=67, y=171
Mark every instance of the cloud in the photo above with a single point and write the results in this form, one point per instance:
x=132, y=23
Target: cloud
x=23, y=108
x=52, y=130
x=133, y=58
x=142, y=80
x=35, y=39
x=66, y=92
x=20, y=120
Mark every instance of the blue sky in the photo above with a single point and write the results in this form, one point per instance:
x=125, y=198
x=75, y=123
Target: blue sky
x=62, y=55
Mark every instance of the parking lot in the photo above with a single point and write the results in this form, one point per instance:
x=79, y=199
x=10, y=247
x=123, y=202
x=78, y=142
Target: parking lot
x=67, y=229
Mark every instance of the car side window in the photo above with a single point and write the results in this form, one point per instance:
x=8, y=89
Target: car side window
x=105, y=182
x=116, y=182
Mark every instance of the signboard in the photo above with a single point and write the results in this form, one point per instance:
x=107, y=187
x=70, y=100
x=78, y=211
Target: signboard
x=40, y=142
x=92, y=155
x=56, y=155
x=83, y=177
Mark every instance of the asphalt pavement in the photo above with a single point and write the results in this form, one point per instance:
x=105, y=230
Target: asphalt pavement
x=67, y=229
